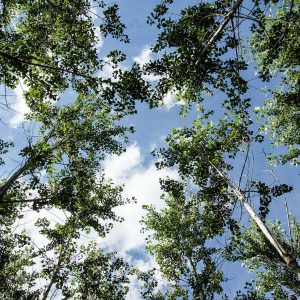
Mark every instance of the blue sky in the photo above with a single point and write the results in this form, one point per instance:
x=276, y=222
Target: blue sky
x=135, y=168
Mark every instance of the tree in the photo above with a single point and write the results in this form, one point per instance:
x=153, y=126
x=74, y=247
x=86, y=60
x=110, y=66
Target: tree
x=254, y=250
x=51, y=47
x=276, y=50
x=55, y=64
x=179, y=244
x=203, y=52
x=64, y=267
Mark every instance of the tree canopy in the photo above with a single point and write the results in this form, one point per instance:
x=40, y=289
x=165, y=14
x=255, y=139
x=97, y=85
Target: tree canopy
x=216, y=213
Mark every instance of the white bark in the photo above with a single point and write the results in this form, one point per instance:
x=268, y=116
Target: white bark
x=216, y=34
x=281, y=250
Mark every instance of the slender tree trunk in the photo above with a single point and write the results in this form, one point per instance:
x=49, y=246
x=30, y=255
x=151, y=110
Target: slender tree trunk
x=28, y=164
x=46, y=293
x=219, y=30
x=52, y=281
x=10, y=181
x=199, y=290
x=56, y=270
x=281, y=250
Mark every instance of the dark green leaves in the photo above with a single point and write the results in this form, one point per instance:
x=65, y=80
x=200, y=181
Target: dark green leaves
x=266, y=193
x=112, y=24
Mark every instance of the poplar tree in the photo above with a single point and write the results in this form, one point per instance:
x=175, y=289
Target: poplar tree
x=207, y=51
x=51, y=48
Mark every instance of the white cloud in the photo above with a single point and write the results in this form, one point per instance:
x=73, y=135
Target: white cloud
x=171, y=99
x=119, y=168
x=93, y=13
x=27, y=223
x=140, y=182
x=151, y=77
x=19, y=106
x=144, y=265
x=134, y=290
x=99, y=38
x=107, y=70
x=144, y=57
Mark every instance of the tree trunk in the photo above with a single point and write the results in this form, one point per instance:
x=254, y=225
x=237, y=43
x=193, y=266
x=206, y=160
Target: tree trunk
x=28, y=164
x=281, y=250
x=10, y=181
x=52, y=281
x=56, y=270
x=216, y=34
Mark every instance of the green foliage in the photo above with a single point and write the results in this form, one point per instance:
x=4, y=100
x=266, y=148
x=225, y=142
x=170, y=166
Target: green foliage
x=250, y=292
x=16, y=257
x=178, y=242
x=266, y=194
x=4, y=146
x=183, y=67
x=276, y=45
x=81, y=272
x=97, y=276
x=77, y=271
x=188, y=71
x=51, y=46
x=203, y=52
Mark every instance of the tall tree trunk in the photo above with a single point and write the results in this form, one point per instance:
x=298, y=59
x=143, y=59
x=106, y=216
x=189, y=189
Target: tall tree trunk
x=46, y=293
x=219, y=30
x=28, y=164
x=281, y=249
x=10, y=181
x=56, y=269
x=52, y=281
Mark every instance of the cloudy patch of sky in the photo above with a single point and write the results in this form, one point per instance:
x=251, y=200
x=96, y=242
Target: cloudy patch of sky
x=19, y=106
x=141, y=182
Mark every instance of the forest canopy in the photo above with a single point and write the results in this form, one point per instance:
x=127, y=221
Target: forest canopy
x=218, y=80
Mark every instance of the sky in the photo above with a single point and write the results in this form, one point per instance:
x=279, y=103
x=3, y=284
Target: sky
x=135, y=168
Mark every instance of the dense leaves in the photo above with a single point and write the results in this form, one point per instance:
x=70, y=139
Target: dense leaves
x=179, y=245
x=276, y=45
x=203, y=52
x=273, y=275
x=50, y=47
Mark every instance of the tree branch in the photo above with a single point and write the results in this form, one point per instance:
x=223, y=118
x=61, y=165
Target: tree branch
x=42, y=65
x=219, y=30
